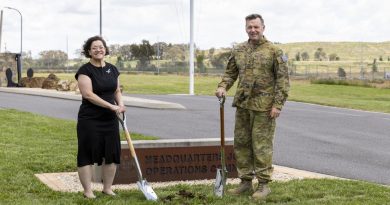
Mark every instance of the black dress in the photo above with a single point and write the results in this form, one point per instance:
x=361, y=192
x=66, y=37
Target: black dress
x=97, y=127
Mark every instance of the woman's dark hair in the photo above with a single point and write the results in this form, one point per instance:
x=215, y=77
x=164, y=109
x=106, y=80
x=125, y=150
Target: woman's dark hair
x=88, y=43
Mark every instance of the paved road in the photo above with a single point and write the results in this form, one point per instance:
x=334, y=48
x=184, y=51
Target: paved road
x=340, y=142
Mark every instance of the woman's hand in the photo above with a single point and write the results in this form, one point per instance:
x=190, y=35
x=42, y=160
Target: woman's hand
x=122, y=109
x=118, y=108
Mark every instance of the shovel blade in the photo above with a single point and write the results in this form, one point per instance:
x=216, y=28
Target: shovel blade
x=147, y=190
x=220, y=182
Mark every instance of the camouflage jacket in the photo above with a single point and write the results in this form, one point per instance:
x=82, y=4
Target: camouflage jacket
x=262, y=73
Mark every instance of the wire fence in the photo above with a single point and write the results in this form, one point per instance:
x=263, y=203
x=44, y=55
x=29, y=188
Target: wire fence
x=298, y=70
x=345, y=72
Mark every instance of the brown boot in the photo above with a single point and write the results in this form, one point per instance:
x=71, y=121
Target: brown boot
x=244, y=186
x=261, y=192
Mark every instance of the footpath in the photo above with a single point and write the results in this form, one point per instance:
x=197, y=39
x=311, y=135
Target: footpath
x=71, y=95
x=69, y=182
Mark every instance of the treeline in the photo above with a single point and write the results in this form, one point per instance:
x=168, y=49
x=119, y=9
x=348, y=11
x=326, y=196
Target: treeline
x=319, y=55
x=141, y=56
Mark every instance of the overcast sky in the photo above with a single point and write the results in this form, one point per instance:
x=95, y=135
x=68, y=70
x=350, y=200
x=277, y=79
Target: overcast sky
x=47, y=24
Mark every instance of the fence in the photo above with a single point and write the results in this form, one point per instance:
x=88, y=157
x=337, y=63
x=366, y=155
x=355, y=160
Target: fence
x=331, y=71
x=298, y=70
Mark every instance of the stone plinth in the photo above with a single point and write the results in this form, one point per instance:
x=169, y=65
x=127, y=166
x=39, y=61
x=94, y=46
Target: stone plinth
x=175, y=160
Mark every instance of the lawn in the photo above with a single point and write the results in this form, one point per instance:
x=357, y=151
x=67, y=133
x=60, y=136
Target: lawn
x=31, y=144
x=355, y=97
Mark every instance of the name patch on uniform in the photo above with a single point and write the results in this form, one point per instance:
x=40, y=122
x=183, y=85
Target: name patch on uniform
x=284, y=58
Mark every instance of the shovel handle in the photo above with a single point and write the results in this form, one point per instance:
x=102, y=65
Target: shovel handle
x=222, y=120
x=221, y=100
x=221, y=173
x=130, y=143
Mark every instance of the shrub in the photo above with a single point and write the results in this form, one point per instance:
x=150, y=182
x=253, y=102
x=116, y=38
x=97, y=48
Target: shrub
x=341, y=73
x=360, y=83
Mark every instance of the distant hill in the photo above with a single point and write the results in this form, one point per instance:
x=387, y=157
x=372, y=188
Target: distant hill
x=347, y=51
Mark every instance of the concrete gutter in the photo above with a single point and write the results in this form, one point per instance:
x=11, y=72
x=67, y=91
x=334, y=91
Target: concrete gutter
x=71, y=95
x=178, y=143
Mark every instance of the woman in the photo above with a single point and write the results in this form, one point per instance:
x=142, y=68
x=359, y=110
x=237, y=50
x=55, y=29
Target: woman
x=97, y=125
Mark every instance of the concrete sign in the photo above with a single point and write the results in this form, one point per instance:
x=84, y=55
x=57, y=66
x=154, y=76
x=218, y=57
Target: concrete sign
x=175, y=160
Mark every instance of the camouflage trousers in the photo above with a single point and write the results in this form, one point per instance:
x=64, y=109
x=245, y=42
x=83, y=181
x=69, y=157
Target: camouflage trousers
x=253, y=144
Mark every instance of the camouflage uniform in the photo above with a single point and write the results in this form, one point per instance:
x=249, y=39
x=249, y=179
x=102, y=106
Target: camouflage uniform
x=263, y=83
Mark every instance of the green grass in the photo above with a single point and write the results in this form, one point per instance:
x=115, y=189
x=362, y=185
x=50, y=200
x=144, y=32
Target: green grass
x=355, y=97
x=297, y=192
x=168, y=84
x=31, y=144
x=346, y=96
x=159, y=84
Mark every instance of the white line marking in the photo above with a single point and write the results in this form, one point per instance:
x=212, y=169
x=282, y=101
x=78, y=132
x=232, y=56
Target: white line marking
x=338, y=113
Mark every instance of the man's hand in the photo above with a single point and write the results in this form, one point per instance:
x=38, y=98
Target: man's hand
x=275, y=112
x=220, y=92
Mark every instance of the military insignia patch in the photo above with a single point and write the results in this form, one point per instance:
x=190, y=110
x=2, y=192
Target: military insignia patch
x=284, y=58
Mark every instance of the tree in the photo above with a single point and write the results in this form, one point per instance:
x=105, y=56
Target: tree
x=142, y=52
x=28, y=60
x=341, y=73
x=211, y=53
x=374, y=66
x=220, y=60
x=174, y=53
x=119, y=62
x=125, y=52
x=320, y=54
x=334, y=57
x=200, y=61
x=134, y=51
x=298, y=56
x=305, y=56
x=114, y=49
x=380, y=58
x=53, y=59
x=146, y=50
x=159, y=49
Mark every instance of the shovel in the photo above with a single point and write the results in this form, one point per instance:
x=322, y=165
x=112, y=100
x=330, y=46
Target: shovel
x=220, y=180
x=142, y=183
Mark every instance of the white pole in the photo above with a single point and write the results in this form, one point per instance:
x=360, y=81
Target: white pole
x=100, y=22
x=1, y=27
x=21, y=42
x=191, y=47
x=67, y=54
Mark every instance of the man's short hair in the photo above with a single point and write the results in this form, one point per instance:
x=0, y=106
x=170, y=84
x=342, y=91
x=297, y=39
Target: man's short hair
x=254, y=16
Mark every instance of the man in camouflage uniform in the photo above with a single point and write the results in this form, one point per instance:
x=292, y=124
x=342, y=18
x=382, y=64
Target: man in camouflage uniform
x=263, y=85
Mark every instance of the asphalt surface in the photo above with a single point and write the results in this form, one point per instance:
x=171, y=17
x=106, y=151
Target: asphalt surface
x=340, y=142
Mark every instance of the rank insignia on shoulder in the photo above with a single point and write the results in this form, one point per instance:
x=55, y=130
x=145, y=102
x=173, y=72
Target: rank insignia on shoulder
x=284, y=58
